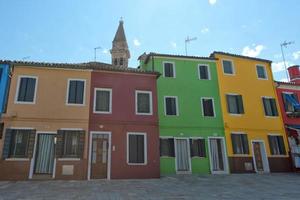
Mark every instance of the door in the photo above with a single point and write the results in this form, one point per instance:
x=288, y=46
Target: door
x=99, y=156
x=260, y=157
x=217, y=155
x=44, y=160
x=182, y=155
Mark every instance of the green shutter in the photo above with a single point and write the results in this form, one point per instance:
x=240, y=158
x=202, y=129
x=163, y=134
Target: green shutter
x=59, y=144
x=31, y=142
x=240, y=104
x=81, y=143
x=7, y=141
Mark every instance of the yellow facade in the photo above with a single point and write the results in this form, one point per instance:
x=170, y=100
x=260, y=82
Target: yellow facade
x=245, y=82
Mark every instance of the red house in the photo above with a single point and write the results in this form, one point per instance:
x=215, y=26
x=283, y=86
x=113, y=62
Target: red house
x=288, y=96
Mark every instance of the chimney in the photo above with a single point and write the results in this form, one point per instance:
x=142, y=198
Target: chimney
x=294, y=74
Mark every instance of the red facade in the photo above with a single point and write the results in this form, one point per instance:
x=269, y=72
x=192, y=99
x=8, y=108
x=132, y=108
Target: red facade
x=123, y=120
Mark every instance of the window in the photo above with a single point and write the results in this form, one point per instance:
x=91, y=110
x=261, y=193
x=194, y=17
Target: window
x=171, y=106
x=228, y=67
x=261, y=72
x=197, y=147
x=136, y=148
x=116, y=61
x=1, y=130
x=26, y=90
x=76, y=90
x=19, y=143
x=208, y=107
x=71, y=144
x=166, y=147
x=290, y=100
x=143, y=101
x=270, y=106
x=240, y=143
x=276, y=145
x=121, y=61
x=169, y=69
x=204, y=73
x=235, y=104
x=103, y=100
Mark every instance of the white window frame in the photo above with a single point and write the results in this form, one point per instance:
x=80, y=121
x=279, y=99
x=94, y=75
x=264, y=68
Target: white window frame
x=265, y=69
x=145, y=148
x=167, y=137
x=280, y=155
x=177, y=109
x=233, y=67
x=234, y=114
x=240, y=133
x=110, y=100
x=263, y=107
x=213, y=104
x=198, y=138
x=68, y=88
x=208, y=71
x=150, y=102
x=18, y=88
x=174, y=69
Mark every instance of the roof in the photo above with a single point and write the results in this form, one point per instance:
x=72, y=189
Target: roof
x=120, y=34
x=79, y=66
x=239, y=56
x=174, y=56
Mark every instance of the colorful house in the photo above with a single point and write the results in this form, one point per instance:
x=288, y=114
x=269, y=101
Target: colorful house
x=255, y=136
x=288, y=96
x=190, y=117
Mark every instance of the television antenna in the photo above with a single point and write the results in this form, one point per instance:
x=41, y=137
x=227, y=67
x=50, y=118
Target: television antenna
x=285, y=44
x=188, y=40
x=95, y=52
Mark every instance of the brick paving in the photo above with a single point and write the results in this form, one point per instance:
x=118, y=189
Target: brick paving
x=234, y=186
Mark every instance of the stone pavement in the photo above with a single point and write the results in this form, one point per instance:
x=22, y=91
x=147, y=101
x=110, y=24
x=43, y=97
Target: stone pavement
x=234, y=186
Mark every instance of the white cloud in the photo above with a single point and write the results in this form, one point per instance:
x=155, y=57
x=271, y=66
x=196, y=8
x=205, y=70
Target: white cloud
x=296, y=55
x=173, y=44
x=252, y=52
x=279, y=66
x=212, y=2
x=136, y=42
x=105, y=51
x=204, y=30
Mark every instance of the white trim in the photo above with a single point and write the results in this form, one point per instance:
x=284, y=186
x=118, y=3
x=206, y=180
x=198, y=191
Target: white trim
x=239, y=133
x=18, y=87
x=90, y=153
x=265, y=70
x=150, y=102
x=233, y=67
x=213, y=104
x=84, y=91
x=19, y=128
x=225, y=158
x=264, y=111
x=110, y=100
x=263, y=154
x=189, y=155
x=176, y=101
x=17, y=159
x=68, y=159
x=234, y=114
x=185, y=58
x=198, y=138
x=71, y=129
x=174, y=68
x=208, y=72
x=145, y=148
x=277, y=155
x=32, y=162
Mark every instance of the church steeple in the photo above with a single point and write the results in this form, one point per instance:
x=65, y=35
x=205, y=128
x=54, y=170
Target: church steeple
x=120, y=52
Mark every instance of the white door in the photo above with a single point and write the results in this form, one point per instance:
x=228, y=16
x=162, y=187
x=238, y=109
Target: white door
x=218, y=160
x=182, y=155
x=260, y=158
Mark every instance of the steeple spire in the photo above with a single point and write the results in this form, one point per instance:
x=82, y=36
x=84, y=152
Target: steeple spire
x=120, y=52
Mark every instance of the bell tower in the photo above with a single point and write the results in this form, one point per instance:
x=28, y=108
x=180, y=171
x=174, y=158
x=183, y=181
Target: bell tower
x=120, y=53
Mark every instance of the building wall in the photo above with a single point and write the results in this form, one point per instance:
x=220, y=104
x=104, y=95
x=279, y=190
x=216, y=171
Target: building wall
x=49, y=114
x=4, y=80
x=253, y=122
x=190, y=122
x=123, y=119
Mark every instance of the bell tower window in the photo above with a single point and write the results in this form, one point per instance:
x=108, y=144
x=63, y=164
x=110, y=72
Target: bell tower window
x=116, y=61
x=121, y=61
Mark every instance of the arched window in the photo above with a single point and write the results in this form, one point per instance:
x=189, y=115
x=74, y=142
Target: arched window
x=116, y=61
x=121, y=61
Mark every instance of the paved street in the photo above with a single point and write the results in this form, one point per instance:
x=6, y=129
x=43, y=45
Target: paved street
x=246, y=186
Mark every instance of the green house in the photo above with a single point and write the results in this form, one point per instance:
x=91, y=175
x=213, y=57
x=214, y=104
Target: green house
x=190, y=119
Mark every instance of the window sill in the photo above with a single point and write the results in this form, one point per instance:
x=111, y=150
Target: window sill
x=99, y=112
x=24, y=102
x=235, y=115
x=147, y=114
x=17, y=159
x=68, y=159
x=271, y=117
x=263, y=79
x=137, y=164
x=75, y=104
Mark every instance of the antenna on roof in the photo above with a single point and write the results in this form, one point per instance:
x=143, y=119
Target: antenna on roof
x=285, y=44
x=188, y=40
x=95, y=52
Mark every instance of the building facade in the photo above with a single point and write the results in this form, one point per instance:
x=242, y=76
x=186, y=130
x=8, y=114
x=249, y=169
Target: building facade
x=253, y=125
x=288, y=96
x=190, y=117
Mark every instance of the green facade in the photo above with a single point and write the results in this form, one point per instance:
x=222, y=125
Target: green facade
x=190, y=122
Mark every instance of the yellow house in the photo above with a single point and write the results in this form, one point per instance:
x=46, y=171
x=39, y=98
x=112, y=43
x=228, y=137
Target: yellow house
x=253, y=124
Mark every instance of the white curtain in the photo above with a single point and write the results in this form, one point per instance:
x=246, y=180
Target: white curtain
x=45, y=154
x=182, y=155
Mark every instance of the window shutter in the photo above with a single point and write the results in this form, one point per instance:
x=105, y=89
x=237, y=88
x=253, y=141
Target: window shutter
x=81, y=143
x=171, y=147
x=7, y=141
x=234, y=143
x=274, y=107
x=31, y=142
x=265, y=105
x=281, y=145
x=59, y=144
x=271, y=144
x=245, y=144
x=240, y=104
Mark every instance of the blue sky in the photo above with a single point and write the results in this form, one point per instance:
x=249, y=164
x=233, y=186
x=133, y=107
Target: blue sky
x=68, y=30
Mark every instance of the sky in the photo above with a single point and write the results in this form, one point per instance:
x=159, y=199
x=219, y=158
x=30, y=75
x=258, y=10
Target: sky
x=68, y=30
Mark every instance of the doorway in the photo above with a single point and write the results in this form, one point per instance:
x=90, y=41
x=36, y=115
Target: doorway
x=260, y=158
x=183, y=162
x=218, y=158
